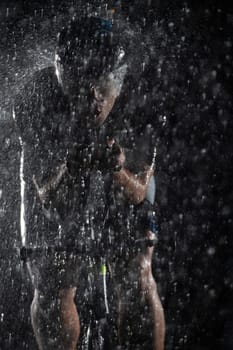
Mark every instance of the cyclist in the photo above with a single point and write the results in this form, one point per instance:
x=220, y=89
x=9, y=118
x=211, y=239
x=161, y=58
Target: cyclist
x=68, y=154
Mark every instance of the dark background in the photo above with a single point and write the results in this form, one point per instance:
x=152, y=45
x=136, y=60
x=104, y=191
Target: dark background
x=193, y=261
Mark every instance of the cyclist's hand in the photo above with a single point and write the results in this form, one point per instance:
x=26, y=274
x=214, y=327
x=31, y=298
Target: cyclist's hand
x=116, y=155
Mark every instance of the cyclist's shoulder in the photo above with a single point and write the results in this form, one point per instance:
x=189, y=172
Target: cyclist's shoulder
x=41, y=88
x=41, y=107
x=44, y=75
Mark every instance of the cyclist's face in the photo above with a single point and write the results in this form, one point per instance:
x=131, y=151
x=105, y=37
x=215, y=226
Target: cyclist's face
x=104, y=94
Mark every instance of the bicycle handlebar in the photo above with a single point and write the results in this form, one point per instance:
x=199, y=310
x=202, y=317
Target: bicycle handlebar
x=27, y=253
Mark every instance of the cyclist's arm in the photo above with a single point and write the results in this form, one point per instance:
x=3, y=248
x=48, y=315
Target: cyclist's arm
x=134, y=186
x=78, y=159
x=48, y=188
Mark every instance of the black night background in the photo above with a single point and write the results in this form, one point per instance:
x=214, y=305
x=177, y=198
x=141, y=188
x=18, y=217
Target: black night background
x=193, y=86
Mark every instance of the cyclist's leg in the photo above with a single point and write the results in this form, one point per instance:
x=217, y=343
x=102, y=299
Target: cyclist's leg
x=55, y=319
x=56, y=325
x=149, y=291
x=136, y=278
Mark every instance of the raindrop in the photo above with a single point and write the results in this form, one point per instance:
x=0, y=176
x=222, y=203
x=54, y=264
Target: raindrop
x=214, y=74
x=211, y=251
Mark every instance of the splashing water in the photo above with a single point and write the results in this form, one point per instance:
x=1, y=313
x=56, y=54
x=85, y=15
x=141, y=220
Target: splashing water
x=22, y=191
x=22, y=208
